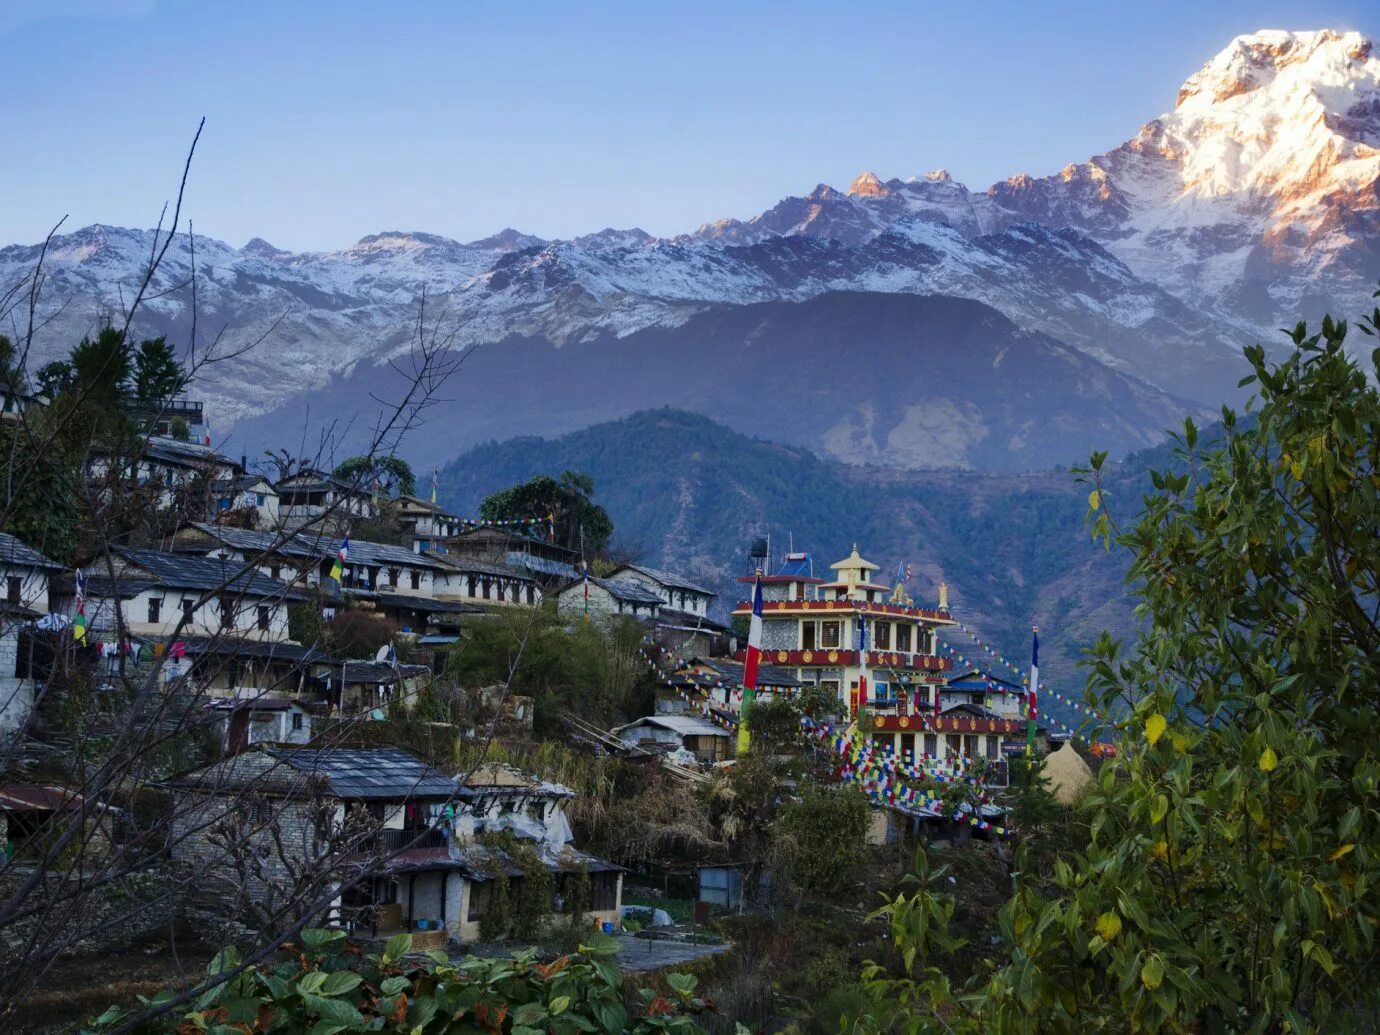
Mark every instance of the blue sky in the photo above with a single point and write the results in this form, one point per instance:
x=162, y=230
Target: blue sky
x=329, y=121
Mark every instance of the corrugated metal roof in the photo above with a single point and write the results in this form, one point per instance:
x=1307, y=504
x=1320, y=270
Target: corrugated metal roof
x=681, y=725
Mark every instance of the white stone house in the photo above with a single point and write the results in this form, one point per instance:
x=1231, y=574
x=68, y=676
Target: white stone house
x=485, y=582
x=606, y=599
x=24, y=581
x=677, y=593
x=324, y=502
x=250, y=492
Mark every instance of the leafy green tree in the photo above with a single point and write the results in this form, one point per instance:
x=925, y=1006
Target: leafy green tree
x=1228, y=879
x=56, y=378
x=821, y=839
x=158, y=375
x=580, y=523
x=102, y=370
x=393, y=473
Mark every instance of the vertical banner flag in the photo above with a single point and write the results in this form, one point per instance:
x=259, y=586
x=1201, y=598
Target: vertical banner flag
x=338, y=568
x=433, y=486
x=751, y=660
x=1031, y=710
x=862, y=660
x=207, y=437
x=586, y=567
x=79, y=619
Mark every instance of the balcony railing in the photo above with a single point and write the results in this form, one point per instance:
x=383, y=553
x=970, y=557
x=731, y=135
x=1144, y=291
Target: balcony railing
x=390, y=840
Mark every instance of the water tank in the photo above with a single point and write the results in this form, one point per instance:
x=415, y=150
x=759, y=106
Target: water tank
x=757, y=549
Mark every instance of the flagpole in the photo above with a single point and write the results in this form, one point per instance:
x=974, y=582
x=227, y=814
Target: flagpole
x=750, y=661
x=1032, y=710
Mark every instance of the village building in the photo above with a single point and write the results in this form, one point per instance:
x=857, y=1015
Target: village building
x=236, y=499
x=718, y=684
x=685, y=733
x=16, y=400
x=178, y=473
x=682, y=621
x=24, y=579
x=322, y=502
x=394, y=582
x=550, y=565
x=32, y=815
x=371, y=687
x=1001, y=697
x=427, y=524
x=425, y=868
x=241, y=723
x=606, y=599
x=834, y=632
x=485, y=582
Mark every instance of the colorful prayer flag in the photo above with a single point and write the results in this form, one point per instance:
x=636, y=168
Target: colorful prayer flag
x=751, y=660
x=338, y=568
x=79, y=620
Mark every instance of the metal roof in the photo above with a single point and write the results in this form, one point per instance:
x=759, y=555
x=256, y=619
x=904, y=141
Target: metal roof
x=541, y=565
x=369, y=773
x=173, y=451
x=16, y=553
x=262, y=650
x=681, y=725
x=428, y=605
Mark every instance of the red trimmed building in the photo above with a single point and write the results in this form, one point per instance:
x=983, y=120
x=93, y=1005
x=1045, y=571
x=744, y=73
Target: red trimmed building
x=811, y=626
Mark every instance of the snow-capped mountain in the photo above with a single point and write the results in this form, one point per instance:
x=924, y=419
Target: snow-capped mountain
x=1259, y=192
x=1255, y=201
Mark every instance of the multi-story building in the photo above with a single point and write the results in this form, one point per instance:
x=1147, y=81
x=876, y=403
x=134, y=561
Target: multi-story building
x=24, y=575
x=834, y=632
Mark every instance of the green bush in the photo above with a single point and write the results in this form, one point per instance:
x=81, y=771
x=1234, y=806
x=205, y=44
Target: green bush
x=323, y=986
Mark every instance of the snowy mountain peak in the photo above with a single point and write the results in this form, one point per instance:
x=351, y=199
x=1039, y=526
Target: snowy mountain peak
x=868, y=186
x=1256, y=60
x=261, y=249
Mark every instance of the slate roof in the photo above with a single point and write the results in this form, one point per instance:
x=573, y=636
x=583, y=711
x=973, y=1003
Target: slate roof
x=542, y=565
x=470, y=566
x=628, y=592
x=179, y=571
x=369, y=773
x=263, y=650
x=242, y=484
x=731, y=672
x=311, y=480
x=428, y=605
x=309, y=544
x=667, y=578
x=379, y=672
x=669, y=616
x=16, y=553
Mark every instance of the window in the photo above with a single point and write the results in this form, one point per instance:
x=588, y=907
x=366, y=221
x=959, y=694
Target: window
x=603, y=891
x=882, y=632
x=969, y=746
x=473, y=584
x=227, y=611
x=225, y=503
x=488, y=589
x=276, y=571
x=931, y=745
x=830, y=687
x=807, y=635
x=296, y=722
x=155, y=607
x=265, y=618
x=903, y=638
x=532, y=595
x=993, y=747
x=188, y=609
x=829, y=634
x=908, y=746
x=393, y=574
x=883, y=692
x=481, y=893
x=14, y=589
x=416, y=580
x=259, y=499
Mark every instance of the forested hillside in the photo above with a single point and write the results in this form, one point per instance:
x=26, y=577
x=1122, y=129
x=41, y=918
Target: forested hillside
x=686, y=493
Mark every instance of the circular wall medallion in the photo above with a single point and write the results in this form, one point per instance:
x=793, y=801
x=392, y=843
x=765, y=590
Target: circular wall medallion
x=905, y=722
x=833, y=656
x=782, y=655
x=828, y=605
x=808, y=656
x=878, y=722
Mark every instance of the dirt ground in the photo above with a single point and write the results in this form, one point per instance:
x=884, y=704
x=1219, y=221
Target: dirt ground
x=79, y=988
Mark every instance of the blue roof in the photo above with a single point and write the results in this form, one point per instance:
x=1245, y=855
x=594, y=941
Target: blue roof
x=798, y=564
